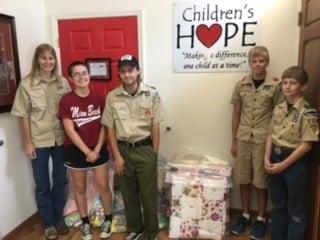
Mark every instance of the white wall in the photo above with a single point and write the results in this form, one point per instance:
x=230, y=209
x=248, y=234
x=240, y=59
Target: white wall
x=197, y=104
x=16, y=182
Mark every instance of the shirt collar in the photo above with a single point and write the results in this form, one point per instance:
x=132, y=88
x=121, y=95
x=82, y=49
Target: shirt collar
x=268, y=80
x=142, y=88
x=299, y=103
x=38, y=80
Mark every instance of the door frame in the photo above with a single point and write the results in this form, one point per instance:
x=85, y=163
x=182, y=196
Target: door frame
x=139, y=13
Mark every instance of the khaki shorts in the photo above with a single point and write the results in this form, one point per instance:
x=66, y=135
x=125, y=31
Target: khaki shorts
x=249, y=165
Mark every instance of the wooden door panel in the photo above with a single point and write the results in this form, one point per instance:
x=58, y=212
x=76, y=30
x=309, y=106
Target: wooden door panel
x=109, y=37
x=312, y=48
x=309, y=58
x=313, y=7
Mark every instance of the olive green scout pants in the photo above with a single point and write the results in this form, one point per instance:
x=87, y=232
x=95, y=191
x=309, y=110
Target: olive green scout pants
x=138, y=185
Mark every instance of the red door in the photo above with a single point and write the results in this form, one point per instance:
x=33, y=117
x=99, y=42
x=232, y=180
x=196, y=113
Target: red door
x=109, y=37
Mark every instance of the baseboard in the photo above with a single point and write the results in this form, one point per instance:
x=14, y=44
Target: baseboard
x=35, y=218
x=20, y=229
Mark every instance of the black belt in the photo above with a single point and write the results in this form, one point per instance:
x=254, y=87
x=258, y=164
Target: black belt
x=282, y=150
x=143, y=142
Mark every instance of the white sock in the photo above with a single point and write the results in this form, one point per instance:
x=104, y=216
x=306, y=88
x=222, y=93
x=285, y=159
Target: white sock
x=262, y=219
x=246, y=215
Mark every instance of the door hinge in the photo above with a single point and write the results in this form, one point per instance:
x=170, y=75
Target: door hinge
x=300, y=18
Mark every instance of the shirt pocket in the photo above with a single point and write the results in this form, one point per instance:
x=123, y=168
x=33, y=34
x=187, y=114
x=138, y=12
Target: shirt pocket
x=146, y=110
x=120, y=110
x=267, y=97
x=293, y=132
x=38, y=99
x=247, y=98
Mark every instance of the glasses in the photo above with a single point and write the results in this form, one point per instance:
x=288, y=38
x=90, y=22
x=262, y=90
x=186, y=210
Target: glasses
x=80, y=74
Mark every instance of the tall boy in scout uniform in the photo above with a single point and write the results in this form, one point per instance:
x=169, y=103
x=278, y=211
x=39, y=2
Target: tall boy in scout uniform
x=132, y=116
x=294, y=126
x=253, y=100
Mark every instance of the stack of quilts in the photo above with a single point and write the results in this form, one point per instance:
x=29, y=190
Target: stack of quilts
x=199, y=200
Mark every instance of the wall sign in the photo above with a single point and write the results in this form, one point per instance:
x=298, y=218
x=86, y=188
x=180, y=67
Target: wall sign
x=214, y=36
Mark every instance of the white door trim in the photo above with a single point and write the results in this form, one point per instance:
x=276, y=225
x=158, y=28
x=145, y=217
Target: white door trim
x=140, y=22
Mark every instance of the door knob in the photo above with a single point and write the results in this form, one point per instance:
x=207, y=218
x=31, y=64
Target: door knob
x=1, y=142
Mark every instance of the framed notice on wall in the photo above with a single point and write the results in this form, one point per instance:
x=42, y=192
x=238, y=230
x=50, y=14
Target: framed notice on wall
x=99, y=68
x=9, y=62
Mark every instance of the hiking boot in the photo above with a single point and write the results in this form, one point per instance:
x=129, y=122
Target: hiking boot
x=62, y=228
x=134, y=236
x=51, y=233
x=240, y=225
x=259, y=230
x=105, y=229
x=86, y=233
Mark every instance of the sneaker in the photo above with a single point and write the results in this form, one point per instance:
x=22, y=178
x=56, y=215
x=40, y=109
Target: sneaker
x=86, y=233
x=134, y=236
x=51, y=233
x=105, y=229
x=62, y=228
x=240, y=225
x=259, y=230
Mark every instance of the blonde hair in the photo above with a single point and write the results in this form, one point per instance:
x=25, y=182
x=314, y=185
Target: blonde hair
x=259, y=51
x=35, y=68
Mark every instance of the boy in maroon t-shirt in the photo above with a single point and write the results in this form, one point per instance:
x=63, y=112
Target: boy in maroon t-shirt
x=80, y=111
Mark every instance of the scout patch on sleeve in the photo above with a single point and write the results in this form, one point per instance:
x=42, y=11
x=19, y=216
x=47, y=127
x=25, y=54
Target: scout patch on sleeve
x=311, y=116
x=311, y=113
x=314, y=130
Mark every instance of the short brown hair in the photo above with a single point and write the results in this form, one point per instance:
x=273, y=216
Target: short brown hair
x=258, y=51
x=74, y=64
x=297, y=73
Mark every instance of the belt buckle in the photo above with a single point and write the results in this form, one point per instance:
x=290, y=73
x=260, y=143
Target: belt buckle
x=277, y=150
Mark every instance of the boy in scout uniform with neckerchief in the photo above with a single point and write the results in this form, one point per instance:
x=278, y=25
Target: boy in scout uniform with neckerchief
x=294, y=126
x=132, y=116
x=253, y=100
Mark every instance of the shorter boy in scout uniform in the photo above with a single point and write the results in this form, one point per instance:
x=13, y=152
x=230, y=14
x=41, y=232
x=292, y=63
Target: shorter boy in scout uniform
x=253, y=100
x=294, y=127
x=132, y=116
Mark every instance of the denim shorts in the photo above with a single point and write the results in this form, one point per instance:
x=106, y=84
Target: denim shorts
x=76, y=159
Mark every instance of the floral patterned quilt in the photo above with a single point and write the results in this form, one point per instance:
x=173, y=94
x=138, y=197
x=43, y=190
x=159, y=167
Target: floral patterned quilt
x=199, y=205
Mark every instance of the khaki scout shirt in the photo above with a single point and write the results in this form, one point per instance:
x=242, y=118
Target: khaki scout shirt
x=39, y=102
x=256, y=107
x=299, y=124
x=132, y=116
